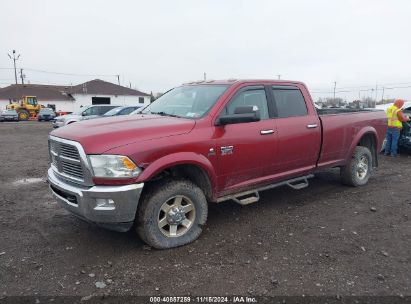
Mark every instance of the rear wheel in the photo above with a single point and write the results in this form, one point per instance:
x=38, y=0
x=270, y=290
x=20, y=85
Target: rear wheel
x=24, y=115
x=172, y=213
x=358, y=171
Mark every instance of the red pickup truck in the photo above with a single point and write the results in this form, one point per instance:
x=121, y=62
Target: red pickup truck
x=205, y=142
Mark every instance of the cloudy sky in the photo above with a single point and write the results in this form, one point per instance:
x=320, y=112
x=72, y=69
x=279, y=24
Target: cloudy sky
x=158, y=44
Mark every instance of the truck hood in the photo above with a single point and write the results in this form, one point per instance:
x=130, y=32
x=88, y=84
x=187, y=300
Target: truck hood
x=100, y=135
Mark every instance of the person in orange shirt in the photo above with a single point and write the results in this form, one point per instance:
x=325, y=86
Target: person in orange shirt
x=395, y=119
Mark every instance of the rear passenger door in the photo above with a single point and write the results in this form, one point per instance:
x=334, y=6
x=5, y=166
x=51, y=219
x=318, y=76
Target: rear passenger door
x=298, y=131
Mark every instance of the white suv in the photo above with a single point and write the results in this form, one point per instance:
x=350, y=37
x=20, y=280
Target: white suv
x=87, y=113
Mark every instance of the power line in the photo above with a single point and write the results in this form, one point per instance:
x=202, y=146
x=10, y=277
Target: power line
x=71, y=74
x=369, y=86
x=364, y=90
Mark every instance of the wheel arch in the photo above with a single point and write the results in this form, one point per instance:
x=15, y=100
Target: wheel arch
x=367, y=138
x=194, y=167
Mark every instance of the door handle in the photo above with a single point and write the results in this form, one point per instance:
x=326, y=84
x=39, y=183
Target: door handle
x=312, y=126
x=266, y=132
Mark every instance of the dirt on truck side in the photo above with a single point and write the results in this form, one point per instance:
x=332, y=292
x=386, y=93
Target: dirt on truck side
x=327, y=239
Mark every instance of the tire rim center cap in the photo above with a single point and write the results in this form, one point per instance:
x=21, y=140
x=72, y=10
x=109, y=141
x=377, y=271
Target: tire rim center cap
x=175, y=216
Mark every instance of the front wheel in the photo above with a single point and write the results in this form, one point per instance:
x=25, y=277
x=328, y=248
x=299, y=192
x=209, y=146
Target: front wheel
x=24, y=115
x=358, y=170
x=172, y=213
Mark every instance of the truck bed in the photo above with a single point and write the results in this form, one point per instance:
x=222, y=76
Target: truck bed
x=342, y=127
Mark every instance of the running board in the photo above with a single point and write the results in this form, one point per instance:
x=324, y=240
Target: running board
x=252, y=196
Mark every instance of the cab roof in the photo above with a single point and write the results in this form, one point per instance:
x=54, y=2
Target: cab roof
x=241, y=81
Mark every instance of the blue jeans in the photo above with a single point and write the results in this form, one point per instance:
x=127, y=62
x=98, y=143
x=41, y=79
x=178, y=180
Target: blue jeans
x=391, y=145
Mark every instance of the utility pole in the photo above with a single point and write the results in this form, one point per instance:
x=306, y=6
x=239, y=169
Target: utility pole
x=118, y=79
x=22, y=76
x=205, y=76
x=335, y=86
x=382, y=96
x=14, y=62
x=376, y=92
x=279, y=76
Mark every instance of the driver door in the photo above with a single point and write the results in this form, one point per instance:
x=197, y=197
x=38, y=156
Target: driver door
x=246, y=151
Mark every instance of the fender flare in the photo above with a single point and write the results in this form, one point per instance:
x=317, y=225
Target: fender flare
x=364, y=131
x=180, y=158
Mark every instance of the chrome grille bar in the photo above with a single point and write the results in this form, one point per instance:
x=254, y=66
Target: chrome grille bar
x=69, y=161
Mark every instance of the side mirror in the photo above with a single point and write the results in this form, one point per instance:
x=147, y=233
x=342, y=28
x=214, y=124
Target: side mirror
x=241, y=114
x=83, y=113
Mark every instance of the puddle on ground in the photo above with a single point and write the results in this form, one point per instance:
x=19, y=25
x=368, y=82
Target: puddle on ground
x=30, y=180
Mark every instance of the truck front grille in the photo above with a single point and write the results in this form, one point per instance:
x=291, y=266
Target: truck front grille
x=65, y=159
x=69, y=151
x=72, y=169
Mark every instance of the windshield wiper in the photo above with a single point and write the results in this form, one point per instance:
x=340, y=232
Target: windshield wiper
x=164, y=114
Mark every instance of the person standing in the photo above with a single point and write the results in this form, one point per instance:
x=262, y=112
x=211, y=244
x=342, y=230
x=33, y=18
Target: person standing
x=395, y=119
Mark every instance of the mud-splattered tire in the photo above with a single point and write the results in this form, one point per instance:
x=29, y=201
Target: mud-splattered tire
x=171, y=213
x=358, y=170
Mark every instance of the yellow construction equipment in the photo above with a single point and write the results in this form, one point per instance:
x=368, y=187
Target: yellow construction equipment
x=26, y=108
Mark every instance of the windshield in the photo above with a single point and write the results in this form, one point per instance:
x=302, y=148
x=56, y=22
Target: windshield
x=113, y=112
x=46, y=111
x=82, y=109
x=186, y=101
x=9, y=112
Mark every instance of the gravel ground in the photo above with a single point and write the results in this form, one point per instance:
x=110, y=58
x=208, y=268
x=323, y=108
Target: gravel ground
x=327, y=239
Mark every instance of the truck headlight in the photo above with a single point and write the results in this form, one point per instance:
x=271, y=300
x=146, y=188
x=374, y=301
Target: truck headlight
x=113, y=166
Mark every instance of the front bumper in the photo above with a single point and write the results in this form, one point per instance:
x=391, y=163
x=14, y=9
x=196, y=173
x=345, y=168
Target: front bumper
x=9, y=118
x=83, y=202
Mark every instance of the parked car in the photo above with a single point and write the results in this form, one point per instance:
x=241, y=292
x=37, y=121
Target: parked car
x=84, y=114
x=126, y=110
x=46, y=114
x=9, y=115
x=404, y=142
x=202, y=143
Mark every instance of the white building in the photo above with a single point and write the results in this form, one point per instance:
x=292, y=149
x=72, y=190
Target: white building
x=72, y=98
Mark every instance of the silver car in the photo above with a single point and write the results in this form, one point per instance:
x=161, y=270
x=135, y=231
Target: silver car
x=86, y=113
x=9, y=115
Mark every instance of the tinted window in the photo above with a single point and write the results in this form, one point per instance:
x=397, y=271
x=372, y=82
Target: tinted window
x=104, y=110
x=113, y=111
x=127, y=111
x=289, y=102
x=255, y=98
x=91, y=111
